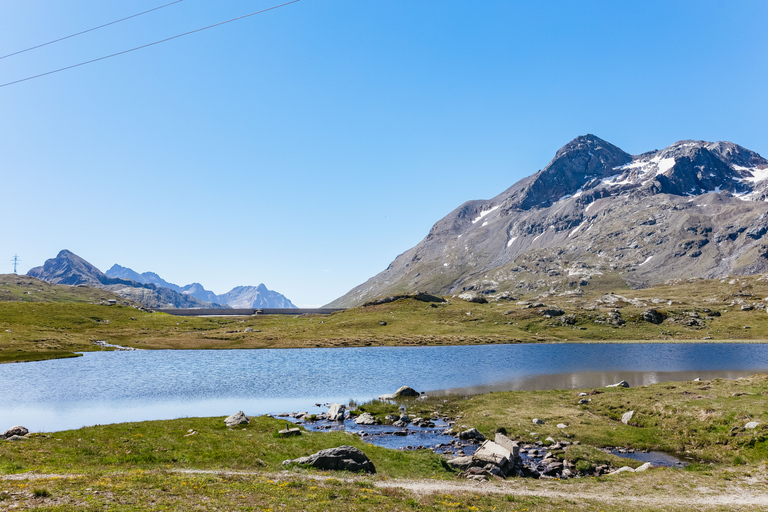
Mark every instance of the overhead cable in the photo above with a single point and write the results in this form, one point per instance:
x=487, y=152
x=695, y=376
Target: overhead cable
x=89, y=30
x=148, y=45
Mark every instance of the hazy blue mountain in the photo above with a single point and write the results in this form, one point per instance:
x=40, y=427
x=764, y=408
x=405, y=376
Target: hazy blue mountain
x=241, y=297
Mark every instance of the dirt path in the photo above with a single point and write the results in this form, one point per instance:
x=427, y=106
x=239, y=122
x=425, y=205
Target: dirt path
x=751, y=492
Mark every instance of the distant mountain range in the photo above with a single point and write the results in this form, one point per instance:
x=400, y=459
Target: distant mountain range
x=151, y=290
x=596, y=214
x=239, y=297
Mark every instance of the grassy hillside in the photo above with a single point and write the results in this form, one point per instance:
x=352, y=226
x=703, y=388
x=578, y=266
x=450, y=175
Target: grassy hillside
x=16, y=288
x=720, y=310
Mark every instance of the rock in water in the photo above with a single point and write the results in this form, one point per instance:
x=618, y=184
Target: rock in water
x=236, y=419
x=365, y=419
x=344, y=457
x=336, y=412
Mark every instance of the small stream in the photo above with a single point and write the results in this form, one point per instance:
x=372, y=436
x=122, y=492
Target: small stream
x=414, y=437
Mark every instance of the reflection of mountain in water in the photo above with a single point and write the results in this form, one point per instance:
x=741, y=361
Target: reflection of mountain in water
x=584, y=380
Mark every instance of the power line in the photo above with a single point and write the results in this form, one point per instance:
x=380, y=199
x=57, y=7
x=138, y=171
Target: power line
x=89, y=30
x=148, y=45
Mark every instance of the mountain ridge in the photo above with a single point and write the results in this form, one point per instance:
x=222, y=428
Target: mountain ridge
x=240, y=297
x=70, y=269
x=695, y=208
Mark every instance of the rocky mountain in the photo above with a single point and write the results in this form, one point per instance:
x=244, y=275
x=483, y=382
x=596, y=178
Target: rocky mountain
x=597, y=215
x=70, y=269
x=243, y=297
x=146, y=277
x=255, y=297
x=195, y=289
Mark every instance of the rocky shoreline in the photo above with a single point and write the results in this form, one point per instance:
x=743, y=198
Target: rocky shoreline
x=467, y=450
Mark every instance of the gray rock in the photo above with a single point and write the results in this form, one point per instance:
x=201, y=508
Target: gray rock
x=365, y=419
x=472, y=433
x=627, y=417
x=537, y=421
x=336, y=412
x=17, y=430
x=622, y=384
x=342, y=458
x=16, y=438
x=461, y=463
x=653, y=316
x=752, y=424
x=473, y=297
x=239, y=418
x=493, y=453
x=512, y=446
x=405, y=391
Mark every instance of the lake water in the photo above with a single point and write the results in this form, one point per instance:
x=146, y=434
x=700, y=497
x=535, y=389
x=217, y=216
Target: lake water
x=109, y=387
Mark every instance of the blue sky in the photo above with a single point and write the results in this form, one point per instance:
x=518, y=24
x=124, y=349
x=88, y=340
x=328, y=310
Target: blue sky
x=306, y=147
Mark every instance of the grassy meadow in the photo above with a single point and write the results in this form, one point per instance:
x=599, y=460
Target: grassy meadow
x=199, y=464
x=59, y=321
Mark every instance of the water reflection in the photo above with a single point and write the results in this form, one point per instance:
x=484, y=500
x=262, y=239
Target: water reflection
x=583, y=380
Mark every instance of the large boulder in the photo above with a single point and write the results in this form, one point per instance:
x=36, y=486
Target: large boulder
x=17, y=430
x=336, y=412
x=239, y=418
x=653, y=316
x=344, y=457
x=512, y=446
x=493, y=453
x=405, y=391
x=473, y=297
x=402, y=392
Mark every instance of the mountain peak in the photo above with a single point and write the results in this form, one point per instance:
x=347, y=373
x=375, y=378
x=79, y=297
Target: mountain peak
x=585, y=158
x=583, y=142
x=597, y=213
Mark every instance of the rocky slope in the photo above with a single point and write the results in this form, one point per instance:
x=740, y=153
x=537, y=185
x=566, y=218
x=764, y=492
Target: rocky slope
x=70, y=269
x=244, y=297
x=596, y=215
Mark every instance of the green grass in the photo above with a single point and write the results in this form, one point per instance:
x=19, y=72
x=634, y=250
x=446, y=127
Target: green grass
x=151, y=465
x=68, y=324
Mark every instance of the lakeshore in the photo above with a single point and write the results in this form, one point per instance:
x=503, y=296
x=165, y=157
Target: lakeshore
x=189, y=462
